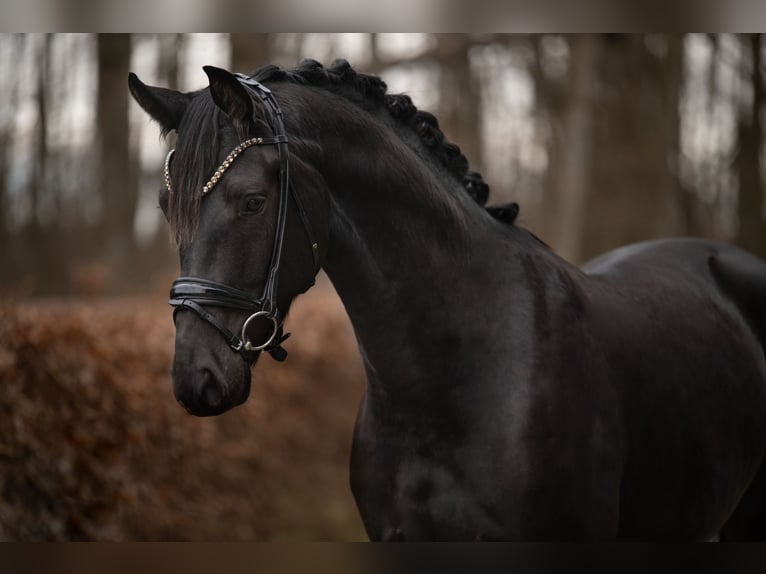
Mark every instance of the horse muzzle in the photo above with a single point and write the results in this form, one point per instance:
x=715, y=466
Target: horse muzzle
x=203, y=393
x=206, y=381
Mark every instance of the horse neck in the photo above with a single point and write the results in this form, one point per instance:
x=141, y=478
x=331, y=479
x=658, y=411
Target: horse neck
x=405, y=243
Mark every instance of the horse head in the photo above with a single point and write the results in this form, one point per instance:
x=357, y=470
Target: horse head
x=251, y=227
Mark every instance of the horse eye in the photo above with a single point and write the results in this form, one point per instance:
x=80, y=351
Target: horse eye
x=254, y=203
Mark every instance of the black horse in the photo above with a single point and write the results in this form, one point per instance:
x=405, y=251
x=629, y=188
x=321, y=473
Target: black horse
x=510, y=395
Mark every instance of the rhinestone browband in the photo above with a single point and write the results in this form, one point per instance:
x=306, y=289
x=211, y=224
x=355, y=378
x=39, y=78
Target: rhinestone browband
x=221, y=169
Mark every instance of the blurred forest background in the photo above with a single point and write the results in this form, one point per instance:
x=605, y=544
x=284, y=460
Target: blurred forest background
x=602, y=139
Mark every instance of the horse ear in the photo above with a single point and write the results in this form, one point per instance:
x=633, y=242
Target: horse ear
x=229, y=95
x=165, y=106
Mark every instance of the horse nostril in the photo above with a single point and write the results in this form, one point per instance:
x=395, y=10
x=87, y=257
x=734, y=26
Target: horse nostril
x=211, y=391
x=212, y=395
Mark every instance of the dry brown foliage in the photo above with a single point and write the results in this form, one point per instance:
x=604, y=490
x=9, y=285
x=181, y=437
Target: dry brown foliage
x=94, y=447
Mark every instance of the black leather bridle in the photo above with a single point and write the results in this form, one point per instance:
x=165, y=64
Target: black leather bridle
x=194, y=293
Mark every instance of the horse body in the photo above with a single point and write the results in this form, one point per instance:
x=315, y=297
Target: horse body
x=625, y=404
x=691, y=380
x=510, y=395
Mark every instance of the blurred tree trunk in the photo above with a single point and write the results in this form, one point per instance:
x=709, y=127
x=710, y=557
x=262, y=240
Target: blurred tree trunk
x=45, y=271
x=7, y=127
x=571, y=187
x=686, y=204
x=118, y=170
x=249, y=51
x=9, y=253
x=38, y=186
x=752, y=227
x=171, y=48
x=459, y=95
x=551, y=100
x=374, y=63
x=630, y=199
x=4, y=167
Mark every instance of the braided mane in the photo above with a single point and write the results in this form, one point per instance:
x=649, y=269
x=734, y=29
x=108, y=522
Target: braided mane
x=363, y=89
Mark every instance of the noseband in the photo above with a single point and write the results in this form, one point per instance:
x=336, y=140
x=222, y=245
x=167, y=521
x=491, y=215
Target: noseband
x=194, y=293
